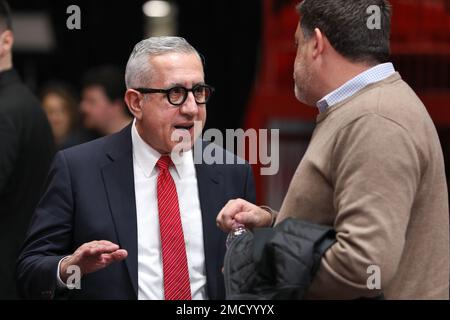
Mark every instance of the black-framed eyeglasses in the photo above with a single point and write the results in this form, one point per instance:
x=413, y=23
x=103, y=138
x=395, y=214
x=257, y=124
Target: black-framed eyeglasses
x=177, y=95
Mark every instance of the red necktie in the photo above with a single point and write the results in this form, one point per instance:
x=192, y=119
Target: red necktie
x=175, y=267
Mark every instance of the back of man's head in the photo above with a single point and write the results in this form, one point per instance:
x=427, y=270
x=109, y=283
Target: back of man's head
x=5, y=16
x=346, y=24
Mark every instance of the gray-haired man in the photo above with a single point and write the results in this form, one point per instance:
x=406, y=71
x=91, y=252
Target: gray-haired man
x=121, y=213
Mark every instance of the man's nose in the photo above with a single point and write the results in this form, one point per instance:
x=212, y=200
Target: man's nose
x=189, y=107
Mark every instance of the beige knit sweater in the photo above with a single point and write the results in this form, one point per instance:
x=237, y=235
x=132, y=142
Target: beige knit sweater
x=374, y=170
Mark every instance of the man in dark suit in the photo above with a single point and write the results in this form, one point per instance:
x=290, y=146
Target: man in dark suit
x=130, y=215
x=26, y=150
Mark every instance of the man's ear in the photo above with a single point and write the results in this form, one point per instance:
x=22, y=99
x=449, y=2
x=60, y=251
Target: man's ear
x=134, y=101
x=319, y=43
x=6, y=42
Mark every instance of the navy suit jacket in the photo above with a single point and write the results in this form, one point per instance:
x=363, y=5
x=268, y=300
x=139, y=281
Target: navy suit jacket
x=90, y=196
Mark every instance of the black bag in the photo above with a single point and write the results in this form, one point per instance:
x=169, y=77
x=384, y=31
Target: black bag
x=275, y=263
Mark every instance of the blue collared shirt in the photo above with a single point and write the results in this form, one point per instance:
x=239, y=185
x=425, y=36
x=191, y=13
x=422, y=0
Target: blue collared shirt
x=351, y=87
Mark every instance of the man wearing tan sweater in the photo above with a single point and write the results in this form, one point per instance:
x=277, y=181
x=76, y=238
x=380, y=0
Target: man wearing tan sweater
x=374, y=168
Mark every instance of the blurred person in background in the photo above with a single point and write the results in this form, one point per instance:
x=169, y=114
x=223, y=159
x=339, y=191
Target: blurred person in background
x=102, y=104
x=60, y=105
x=26, y=150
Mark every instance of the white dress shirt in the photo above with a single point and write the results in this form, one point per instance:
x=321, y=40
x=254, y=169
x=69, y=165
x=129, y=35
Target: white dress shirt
x=150, y=269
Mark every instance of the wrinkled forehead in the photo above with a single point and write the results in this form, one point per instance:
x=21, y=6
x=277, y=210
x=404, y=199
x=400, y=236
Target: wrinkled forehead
x=180, y=68
x=176, y=60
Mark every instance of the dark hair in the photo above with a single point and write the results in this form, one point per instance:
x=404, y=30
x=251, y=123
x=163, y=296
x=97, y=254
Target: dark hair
x=344, y=23
x=5, y=16
x=109, y=78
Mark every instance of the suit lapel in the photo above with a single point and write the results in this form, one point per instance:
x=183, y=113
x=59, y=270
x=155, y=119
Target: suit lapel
x=210, y=189
x=118, y=178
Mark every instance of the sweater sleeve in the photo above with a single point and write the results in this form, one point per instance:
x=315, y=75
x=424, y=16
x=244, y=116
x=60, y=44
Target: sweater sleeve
x=375, y=174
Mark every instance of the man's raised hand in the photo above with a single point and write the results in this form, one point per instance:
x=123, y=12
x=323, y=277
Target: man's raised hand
x=92, y=256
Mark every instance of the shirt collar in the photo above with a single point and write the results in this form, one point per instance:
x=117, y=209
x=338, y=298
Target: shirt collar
x=351, y=87
x=147, y=157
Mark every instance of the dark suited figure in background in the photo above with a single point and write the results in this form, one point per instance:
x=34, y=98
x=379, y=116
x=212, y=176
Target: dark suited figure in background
x=137, y=223
x=26, y=150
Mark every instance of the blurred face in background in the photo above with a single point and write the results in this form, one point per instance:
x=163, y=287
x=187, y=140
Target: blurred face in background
x=96, y=108
x=58, y=114
x=157, y=119
x=6, y=42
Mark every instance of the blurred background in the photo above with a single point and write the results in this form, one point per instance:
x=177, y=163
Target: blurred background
x=249, y=50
